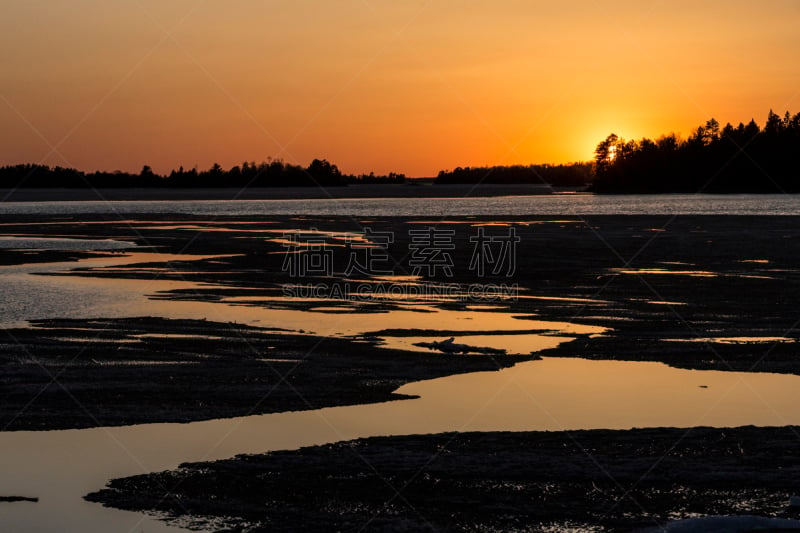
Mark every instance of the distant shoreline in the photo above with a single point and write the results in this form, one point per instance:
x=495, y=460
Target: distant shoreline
x=277, y=193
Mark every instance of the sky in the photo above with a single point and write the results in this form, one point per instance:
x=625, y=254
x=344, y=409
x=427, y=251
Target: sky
x=411, y=86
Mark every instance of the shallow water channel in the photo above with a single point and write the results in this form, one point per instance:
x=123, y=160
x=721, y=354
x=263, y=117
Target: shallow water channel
x=60, y=467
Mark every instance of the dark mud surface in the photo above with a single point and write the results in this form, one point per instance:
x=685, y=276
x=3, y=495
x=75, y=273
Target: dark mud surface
x=654, y=281
x=669, y=289
x=17, y=499
x=85, y=373
x=577, y=481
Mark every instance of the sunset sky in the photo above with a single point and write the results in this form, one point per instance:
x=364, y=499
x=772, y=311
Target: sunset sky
x=410, y=86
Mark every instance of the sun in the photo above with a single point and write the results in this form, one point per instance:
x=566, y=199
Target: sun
x=590, y=138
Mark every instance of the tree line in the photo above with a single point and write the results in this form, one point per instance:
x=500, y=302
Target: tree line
x=569, y=175
x=729, y=159
x=271, y=173
x=713, y=159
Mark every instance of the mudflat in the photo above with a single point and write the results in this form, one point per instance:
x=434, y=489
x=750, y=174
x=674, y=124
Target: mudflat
x=576, y=481
x=694, y=292
x=701, y=292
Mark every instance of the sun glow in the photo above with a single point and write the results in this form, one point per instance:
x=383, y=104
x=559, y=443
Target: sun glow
x=411, y=87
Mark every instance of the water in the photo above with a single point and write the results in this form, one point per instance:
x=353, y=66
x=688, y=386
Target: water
x=30, y=295
x=60, y=467
x=49, y=243
x=552, y=204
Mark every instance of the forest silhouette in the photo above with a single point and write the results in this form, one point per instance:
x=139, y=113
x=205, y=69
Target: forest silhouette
x=569, y=175
x=272, y=173
x=714, y=159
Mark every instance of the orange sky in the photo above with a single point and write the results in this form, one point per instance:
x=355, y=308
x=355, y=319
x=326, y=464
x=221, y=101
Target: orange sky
x=411, y=86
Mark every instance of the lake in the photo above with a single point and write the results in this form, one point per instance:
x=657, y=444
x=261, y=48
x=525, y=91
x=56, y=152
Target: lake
x=549, y=204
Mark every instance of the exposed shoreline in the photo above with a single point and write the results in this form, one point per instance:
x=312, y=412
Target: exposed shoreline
x=152, y=370
x=668, y=289
x=580, y=480
x=568, y=270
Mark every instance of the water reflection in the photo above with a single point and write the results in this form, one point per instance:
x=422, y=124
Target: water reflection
x=736, y=340
x=550, y=204
x=60, y=467
x=62, y=244
x=32, y=297
x=520, y=344
x=555, y=394
x=28, y=296
x=662, y=271
x=552, y=394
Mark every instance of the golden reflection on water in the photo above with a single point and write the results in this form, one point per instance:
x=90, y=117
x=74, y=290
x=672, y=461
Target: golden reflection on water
x=660, y=271
x=736, y=340
x=520, y=344
x=555, y=394
x=89, y=297
x=575, y=393
x=551, y=394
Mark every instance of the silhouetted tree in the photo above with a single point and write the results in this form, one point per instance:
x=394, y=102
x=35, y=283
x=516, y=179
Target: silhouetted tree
x=571, y=175
x=712, y=159
x=147, y=172
x=605, y=152
x=324, y=173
